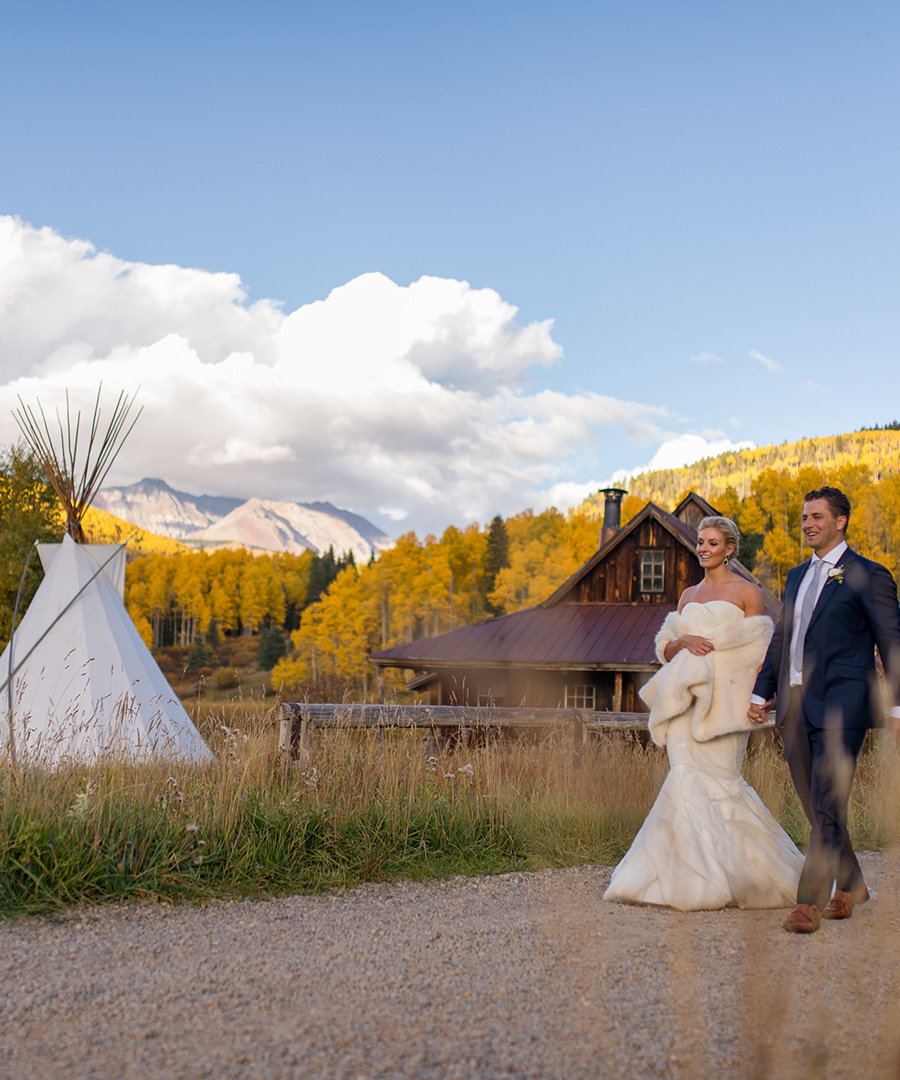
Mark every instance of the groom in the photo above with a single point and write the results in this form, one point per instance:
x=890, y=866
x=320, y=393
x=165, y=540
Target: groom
x=820, y=668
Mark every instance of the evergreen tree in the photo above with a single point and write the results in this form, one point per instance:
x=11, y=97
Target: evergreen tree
x=496, y=559
x=272, y=647
x=199, y=657
x=322, y=573
x=325, y=568
x=894, y=425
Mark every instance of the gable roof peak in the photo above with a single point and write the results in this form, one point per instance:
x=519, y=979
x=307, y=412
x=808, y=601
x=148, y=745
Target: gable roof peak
x=679, y=529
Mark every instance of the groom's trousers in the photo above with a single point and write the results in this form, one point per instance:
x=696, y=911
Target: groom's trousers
x=822, y=763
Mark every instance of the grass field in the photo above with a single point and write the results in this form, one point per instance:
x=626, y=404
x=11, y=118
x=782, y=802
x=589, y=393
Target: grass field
x=360, y=807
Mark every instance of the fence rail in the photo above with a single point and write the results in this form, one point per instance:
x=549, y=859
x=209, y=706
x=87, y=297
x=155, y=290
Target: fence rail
x=295, y=717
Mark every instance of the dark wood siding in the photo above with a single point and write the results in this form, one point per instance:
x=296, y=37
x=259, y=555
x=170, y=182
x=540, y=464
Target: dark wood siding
x=539, y=689
x=616, y=579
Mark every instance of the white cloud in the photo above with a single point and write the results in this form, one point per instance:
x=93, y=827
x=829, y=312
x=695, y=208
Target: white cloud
x=766, y=361
x=680, y=450
x=705, y=358
x=392, y=401
x=393, y=514
x=567, y=494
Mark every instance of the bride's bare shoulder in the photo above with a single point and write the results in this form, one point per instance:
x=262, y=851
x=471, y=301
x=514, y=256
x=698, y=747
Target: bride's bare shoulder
x=749, y=597
x=687, y=596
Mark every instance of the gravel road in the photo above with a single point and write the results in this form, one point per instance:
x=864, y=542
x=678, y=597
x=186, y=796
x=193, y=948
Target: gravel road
x=516, y=976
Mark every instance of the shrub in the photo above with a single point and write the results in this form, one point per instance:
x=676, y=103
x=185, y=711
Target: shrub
x=272, y=647
x=225, y=678
x=199, y=657
x=238, y=651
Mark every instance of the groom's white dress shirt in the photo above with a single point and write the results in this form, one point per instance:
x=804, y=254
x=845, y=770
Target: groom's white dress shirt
x=831, y=560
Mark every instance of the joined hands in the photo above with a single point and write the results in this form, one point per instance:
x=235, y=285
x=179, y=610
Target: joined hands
x=758, y=714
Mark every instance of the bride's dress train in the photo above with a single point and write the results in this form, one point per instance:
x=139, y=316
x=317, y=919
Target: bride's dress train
x=709, y=842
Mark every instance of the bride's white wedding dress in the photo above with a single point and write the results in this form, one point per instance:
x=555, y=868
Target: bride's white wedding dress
x=708, y=842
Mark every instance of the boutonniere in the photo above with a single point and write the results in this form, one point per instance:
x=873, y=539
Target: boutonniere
x=836, y=574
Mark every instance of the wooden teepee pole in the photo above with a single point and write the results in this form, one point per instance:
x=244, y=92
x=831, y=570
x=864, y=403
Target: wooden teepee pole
x=76, y=485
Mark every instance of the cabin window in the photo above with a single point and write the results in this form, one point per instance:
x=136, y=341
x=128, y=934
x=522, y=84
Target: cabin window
x=491, y=694
x=580, y=697
x=653, y=565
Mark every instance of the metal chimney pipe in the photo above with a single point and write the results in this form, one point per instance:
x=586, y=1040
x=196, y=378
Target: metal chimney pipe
x=612, y=513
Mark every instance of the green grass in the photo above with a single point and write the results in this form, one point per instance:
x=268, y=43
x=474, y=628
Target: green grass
x=358, y=808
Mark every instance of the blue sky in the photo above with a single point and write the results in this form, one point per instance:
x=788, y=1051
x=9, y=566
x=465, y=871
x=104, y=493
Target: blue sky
x=700, y=196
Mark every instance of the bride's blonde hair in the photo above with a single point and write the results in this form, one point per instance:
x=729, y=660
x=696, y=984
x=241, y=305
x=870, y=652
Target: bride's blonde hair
x=726, y=527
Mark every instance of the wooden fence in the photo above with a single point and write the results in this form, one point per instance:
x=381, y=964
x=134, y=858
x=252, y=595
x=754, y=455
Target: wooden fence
x=296, y=718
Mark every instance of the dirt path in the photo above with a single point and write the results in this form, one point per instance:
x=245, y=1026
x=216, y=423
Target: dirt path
x=523, y=975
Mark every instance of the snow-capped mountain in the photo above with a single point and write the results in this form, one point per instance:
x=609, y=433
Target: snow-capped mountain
x=212, y=520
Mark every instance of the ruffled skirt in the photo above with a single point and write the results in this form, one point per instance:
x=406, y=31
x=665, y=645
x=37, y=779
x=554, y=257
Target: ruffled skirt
x=709, y=842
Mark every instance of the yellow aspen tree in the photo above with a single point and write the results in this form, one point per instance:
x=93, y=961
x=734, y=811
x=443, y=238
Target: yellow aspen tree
x=534, y=573
x=190, y=591
x=262, y=596
x=584, y=537
x=160, y=593
x=466, y=550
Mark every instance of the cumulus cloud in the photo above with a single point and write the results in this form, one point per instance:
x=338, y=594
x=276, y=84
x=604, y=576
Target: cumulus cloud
x=705, y=358
x=767, y=362
x=403, y=403
x=680, y=450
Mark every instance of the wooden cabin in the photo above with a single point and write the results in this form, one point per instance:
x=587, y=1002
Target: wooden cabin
x=590, y=644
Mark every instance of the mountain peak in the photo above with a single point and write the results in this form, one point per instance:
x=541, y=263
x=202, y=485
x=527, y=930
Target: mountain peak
x=261, y=524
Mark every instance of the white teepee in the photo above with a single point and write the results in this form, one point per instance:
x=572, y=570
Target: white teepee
x=77, y=682
x=84, y=685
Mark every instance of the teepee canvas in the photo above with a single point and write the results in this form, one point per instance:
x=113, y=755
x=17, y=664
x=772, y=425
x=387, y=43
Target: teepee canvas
x=77, y=682
x=84, y=685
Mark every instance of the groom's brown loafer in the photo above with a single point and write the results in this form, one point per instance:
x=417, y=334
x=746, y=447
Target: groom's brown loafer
x=841, y=905
x=804, y=919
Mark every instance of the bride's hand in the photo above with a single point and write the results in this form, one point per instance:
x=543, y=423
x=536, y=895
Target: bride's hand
x=759, y=714
x=696, y=645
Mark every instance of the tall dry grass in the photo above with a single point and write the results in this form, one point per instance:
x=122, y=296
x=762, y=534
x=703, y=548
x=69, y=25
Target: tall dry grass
x=360, y=806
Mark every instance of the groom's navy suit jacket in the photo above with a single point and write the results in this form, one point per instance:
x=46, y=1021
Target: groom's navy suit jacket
x=849, y=620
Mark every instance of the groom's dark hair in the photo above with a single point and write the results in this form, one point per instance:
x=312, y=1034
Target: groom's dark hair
x=838, y=503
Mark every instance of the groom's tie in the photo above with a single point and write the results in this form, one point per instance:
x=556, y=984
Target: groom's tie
x=806, y=610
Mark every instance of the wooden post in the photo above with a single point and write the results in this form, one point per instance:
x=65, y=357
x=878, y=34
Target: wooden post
x=285, y=731
x=577, y=743
x=617, y=693
x=301, y=744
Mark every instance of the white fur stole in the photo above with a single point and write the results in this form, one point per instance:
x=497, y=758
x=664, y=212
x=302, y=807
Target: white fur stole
x=713, y=689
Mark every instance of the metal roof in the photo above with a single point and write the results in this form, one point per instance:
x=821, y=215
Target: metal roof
x=564, y=636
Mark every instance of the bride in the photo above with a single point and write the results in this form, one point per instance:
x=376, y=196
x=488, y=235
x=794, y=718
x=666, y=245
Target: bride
x=708, y=842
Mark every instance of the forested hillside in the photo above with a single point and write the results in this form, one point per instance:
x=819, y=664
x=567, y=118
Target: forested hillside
x=877, y=450
x=104, y=528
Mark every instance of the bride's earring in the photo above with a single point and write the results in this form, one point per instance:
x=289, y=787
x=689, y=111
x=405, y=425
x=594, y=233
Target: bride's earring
x=727, y=560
